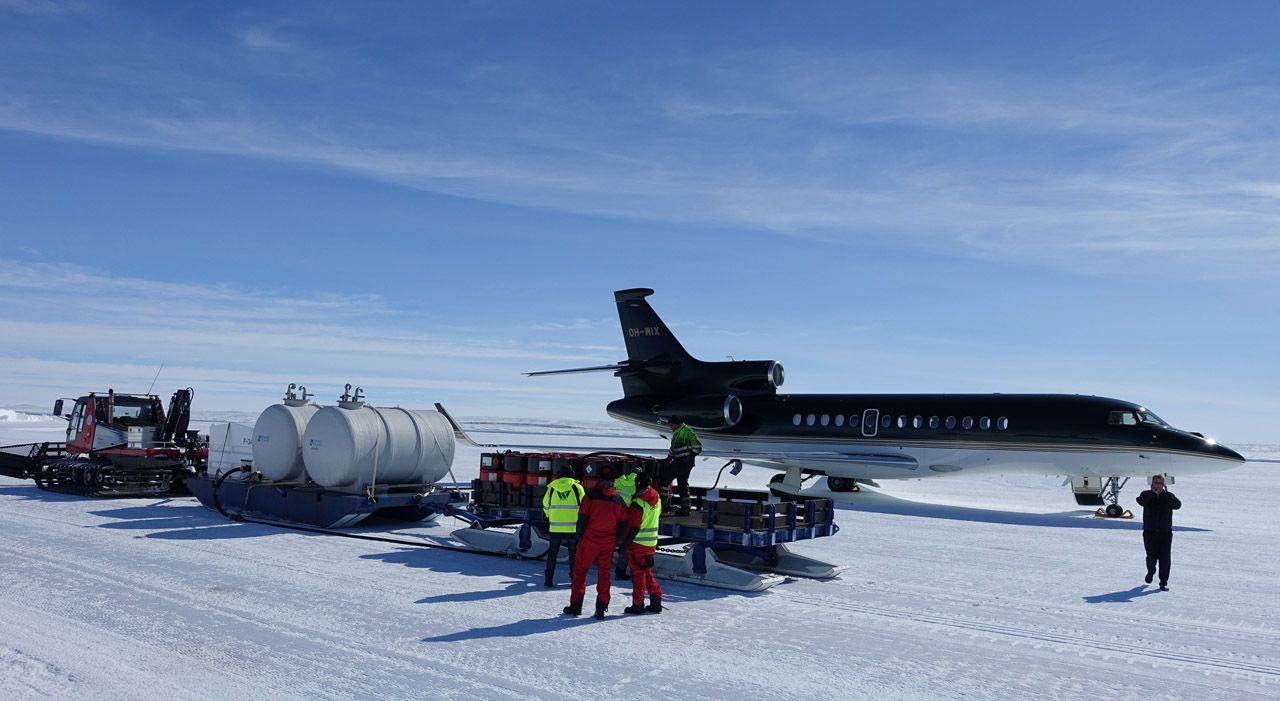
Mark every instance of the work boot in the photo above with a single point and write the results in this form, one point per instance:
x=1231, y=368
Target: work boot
x=635, y=608
x=655, y=604
x=1149, y=576
x=574, y=608
x=601, y=607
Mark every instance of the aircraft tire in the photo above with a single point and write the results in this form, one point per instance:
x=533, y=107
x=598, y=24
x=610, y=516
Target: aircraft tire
x=1114, y=511
x=840, y=484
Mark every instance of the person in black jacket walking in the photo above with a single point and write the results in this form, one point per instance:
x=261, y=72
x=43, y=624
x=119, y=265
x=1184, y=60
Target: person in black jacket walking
x=1158, y=505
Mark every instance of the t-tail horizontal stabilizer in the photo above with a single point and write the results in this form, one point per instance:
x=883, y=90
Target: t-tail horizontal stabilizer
x=575, y=371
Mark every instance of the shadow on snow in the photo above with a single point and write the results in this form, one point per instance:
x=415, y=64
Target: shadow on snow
x=878, y=502
x=1121, y=597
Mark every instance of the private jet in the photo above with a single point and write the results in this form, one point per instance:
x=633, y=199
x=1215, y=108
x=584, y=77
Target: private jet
x=735, y=407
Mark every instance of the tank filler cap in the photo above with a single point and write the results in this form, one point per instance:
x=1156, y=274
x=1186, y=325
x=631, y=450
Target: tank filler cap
x=350, y=400
x=291, y=398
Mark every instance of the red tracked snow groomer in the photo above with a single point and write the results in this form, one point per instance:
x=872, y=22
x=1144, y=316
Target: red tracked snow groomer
x=117, y=445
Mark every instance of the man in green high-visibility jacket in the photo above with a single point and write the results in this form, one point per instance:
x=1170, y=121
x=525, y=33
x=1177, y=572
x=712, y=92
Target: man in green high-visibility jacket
x=626, y=486
x=685, y=447
x=560, y=503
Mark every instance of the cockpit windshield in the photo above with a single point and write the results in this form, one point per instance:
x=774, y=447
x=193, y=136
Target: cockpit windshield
x=1131, y=417
x=1148, y=417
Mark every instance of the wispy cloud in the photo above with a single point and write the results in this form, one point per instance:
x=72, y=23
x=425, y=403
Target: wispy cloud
x=62, y=326
x=42, y=7
x=263, y=38
x=1099, y=168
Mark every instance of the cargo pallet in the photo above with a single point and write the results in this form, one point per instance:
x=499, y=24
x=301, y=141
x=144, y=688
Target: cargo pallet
x=732, y=538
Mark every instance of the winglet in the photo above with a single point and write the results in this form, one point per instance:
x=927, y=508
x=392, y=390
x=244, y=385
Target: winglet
x=457, y=429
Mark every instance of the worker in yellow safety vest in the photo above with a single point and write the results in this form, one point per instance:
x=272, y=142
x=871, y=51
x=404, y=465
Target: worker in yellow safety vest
x=642, y=544
x=560, y=503
x=626, y=486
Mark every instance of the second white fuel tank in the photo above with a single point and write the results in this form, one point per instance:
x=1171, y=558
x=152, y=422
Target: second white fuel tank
x=351, y=446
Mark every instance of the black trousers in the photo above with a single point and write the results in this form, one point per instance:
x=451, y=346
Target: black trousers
x=679, y=469
x=570, y=541
x=1158, y=544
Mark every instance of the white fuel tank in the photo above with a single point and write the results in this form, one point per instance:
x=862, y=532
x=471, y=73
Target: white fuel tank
x=343, y=445
x=277, y=439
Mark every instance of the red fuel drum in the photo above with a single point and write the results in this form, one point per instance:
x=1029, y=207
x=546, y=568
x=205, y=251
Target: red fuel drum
x=490, y=467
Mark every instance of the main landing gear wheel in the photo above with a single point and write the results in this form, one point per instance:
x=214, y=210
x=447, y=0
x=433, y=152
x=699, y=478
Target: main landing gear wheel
x=842, y=484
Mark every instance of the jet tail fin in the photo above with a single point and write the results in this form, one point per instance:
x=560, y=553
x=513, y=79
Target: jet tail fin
x=647, y=337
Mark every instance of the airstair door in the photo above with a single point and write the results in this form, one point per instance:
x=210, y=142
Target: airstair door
x=870, y=422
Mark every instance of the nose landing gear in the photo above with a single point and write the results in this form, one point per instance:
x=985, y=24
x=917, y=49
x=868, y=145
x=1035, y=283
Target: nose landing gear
x=1111, y=495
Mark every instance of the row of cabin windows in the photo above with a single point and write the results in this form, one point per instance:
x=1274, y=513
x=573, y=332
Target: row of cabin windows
x=888, y=421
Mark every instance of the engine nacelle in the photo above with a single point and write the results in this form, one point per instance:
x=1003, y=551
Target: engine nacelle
x=706, y=412
x=748, y=375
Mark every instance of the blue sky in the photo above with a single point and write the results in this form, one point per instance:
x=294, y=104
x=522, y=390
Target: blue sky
x=429, y=198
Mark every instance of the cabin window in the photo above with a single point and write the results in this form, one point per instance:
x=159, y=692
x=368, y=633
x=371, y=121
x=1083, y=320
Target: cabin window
x=1002, y=423
x=951, y=422
x=917, y=422
x=902, y=422
x=77, y=419
x=839, y=419
x=795, y=420
x=886, y=421
x=968, y=422
x=810, y=420
x=934, y=422
x=826, y=419
x=985, y=423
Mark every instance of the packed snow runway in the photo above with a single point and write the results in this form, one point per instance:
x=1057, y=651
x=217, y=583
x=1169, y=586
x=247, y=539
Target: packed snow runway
x=985, y=588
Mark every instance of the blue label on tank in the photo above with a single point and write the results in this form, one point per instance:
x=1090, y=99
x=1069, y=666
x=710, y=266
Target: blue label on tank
x=314, y=443
x=264, y=439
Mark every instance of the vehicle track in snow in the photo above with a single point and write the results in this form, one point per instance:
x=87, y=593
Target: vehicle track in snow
x=1059, y=612
x=87, y=592
x=1142, y=652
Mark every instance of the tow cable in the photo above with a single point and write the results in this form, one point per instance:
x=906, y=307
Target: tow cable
x=217, y=503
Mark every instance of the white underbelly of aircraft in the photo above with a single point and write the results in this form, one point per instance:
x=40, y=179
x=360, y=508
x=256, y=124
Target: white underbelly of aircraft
x=839, y=459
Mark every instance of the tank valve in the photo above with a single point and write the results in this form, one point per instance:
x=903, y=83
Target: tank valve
x=349, y=400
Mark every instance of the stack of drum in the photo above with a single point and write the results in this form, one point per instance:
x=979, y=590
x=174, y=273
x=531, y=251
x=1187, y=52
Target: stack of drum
x=504, y=476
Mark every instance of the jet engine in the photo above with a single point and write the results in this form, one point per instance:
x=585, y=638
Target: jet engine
x=705, y=412
x=748, y=375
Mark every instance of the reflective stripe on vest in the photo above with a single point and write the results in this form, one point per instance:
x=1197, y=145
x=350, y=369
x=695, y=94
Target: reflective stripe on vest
x=561, y=505
x=626, y=488
x=648, y=533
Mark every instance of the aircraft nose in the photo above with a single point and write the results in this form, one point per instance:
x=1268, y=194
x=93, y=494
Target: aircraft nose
x=1228, y=453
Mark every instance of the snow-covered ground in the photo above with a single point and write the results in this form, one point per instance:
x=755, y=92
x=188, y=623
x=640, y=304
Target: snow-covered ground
x=980, y=588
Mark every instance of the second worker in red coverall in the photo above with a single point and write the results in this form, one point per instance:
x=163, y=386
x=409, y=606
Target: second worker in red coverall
x=641, y=544
x=602, y=523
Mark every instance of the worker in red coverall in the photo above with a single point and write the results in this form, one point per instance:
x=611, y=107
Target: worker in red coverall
x=602, y=523
x=641, y=544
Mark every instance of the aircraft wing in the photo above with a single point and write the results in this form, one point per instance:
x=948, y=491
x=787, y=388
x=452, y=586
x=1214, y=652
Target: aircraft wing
x=815, y=459
x=461, y=435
